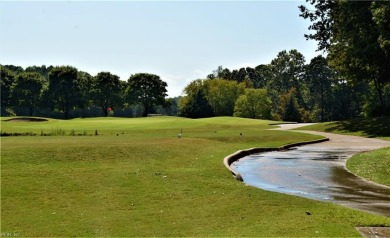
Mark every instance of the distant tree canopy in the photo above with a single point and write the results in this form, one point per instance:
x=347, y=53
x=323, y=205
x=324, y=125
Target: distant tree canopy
x=319, y=77
x=28, y=89
x=64, y=91
x=146, y=89
x=195, y=104
x=352, y=81
x=222, y=94
x=294, y=91
x=7, y=78
x=356, y=35
x=255, y=104
x=106, y=91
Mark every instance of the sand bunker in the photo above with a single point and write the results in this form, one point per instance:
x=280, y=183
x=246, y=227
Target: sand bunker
x=26, y=119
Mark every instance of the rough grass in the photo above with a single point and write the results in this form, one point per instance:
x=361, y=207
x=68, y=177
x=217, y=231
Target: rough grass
x=147, y=182
x=373, y=165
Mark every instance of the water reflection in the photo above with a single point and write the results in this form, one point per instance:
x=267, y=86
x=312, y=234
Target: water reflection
x=311, y=172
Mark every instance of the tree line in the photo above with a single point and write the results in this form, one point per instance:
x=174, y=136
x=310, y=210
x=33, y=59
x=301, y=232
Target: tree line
x=352, y=81
x=286, y=89
x=64, y=91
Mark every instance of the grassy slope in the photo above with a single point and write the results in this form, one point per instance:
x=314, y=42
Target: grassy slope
x=371, y=127
x=147, y=182
x=373, y=165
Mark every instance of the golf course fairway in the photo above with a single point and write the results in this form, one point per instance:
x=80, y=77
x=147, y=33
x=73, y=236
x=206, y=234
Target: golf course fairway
x=135, y=177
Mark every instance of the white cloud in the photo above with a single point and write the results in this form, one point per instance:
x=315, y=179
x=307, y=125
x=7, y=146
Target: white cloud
x=176, y=83
x=243, y=65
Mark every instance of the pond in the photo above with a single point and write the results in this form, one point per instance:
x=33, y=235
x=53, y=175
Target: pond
x=314, y=172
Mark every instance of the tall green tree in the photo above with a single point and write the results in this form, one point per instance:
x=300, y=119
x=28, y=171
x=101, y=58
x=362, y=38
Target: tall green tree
x=371, y=108
x=64, y=91
x=147, y=90
x=286, y=73
x=289, y=108
x=239, y=75
x=85, y=82
x=381, y=16
x=194, y=104
x=255, y=103
x=13, y=68
x=356, y=36
x=250, y=73
x=170, y=108
x=319, y=77
x=222, y=95
x=27, y=90
x=7, y=78
x=261, y=76
x=347, y=101
x=106, y=90
x=221, y=73
x=42, y=70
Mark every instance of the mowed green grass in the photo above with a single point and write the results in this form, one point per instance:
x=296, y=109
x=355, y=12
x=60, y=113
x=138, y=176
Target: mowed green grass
x=373, y=165
x=368, y=127
x=138, y=179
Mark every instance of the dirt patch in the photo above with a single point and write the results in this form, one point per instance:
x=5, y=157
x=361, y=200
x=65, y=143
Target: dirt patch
x=26, y=119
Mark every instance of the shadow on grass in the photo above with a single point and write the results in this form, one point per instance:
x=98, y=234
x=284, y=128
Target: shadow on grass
x=371, y=127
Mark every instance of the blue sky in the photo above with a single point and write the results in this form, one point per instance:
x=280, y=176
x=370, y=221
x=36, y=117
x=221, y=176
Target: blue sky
x=178, y=40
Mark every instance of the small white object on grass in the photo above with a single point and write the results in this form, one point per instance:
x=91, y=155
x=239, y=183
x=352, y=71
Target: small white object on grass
x=179, y=135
